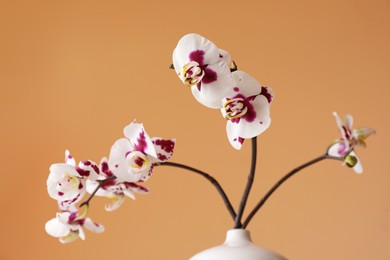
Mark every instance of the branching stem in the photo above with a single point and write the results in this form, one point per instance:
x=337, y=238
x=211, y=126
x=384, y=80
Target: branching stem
x=282, y=180
x=101, y=183
x=211, y=179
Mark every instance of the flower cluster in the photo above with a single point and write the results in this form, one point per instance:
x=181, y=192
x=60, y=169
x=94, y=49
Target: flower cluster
x=130, y=163
x=216, y=83
x=344, y=146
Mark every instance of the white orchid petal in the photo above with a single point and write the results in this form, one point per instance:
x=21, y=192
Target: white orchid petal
x=91, y=187
x=64, y=182
x=190, y=43
x=139, y=139
x=57, y=228
x=72, y=236
x=129, y=194
x=226, y=57
x=116, y=202
x=92, y=226
x=117, y=162
x=211, y=94
x=339, y=124
x=69, y=159
x=358, y=167
x=248, y=129
x=348, y=122
x=81, y=233
x=234, y=140
x=246, y=85
x=63, y=168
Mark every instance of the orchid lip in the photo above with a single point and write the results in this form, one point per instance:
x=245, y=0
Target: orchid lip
x=138, y=161
x=69, y=182
x=192, y=73
x=234, y=108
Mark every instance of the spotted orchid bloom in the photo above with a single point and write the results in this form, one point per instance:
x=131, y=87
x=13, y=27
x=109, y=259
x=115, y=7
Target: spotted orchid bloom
x=203, y=67
x=114, y=189
x=66, y=182
x=67, y=226
x=344, y=147
x=247, y=109
x=132, y=158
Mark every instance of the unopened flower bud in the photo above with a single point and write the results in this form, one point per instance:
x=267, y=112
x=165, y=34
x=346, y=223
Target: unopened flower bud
x=350, y=160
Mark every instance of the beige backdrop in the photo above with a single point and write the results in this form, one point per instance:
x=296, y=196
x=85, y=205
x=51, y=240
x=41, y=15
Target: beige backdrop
x=74, y=73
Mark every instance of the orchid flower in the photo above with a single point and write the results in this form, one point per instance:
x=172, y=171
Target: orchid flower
x=247, y=109
x=114, y=189
x=132, y=158
x=66, y=182
x=344, y=147
x=67, y=226
x=203, y=67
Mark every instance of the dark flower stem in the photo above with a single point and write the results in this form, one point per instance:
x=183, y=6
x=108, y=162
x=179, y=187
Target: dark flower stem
x=282, y=180
x=248, y=187
x=101, y=183
x=209, y=178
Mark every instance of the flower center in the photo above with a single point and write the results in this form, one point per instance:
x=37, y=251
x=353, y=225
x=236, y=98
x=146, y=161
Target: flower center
x=138, y=161
x=234, y=108
x=68, y=183
x=192, y=73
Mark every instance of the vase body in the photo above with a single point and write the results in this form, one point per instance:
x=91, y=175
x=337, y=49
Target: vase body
x=237, y=246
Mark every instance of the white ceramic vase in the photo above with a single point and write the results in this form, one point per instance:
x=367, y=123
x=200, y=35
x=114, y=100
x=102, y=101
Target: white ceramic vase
x=238, y=246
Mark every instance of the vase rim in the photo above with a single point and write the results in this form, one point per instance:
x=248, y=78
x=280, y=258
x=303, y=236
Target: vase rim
x=238, y=236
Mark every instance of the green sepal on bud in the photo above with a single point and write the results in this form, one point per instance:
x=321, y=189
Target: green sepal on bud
x=350, y=160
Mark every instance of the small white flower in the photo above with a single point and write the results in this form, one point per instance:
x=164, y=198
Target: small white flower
x=203, y=67
x=66, y=182
x=68, y=227
x=114, y=189
x=132, y=158
x=247, y=109
x=349, y=139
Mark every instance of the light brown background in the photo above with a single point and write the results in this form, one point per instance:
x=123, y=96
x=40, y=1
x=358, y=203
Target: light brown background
x=74, y=73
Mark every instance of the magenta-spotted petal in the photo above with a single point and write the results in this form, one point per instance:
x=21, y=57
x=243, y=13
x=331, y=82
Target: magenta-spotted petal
x=67, y=226
x=247, y=110
x=65, y=184
x=118, y=164
x=339, y=149
x=93, y=226
x=210, y=93
x=194, y=47
x=164, y=148
x=134, y=187
x=88, y=169
x=345, y=129
x=202, y=66
x=139, y=139
x=69, y=159
x=235, y=140
x=245, y=85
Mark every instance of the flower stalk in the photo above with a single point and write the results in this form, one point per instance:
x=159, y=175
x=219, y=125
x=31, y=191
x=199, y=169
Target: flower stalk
x=101, y=183
x=211, y=179
x=283, y=180
x=249, y=184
